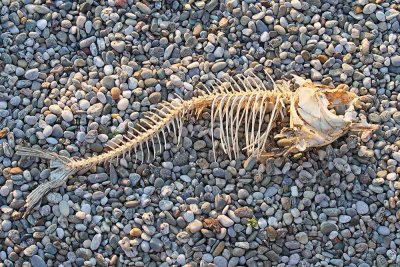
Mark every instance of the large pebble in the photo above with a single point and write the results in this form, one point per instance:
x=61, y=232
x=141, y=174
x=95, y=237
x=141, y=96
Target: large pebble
x=95, y=110
x=31, y=250
x=296, y=4
x=37, y=261
x=328, y=226
x=166, y=205
x=195, y=226
x=119, y=46
x=41, y=24
x=218, y=66
x=123, y=104
x=32, y=74
x=369, y=9
x=220, y=261
x=225, y=220
x=156, y=244
x=67, y=115
x=395, y=60
x=64, y=208
x=362, y=207
x=94, y=245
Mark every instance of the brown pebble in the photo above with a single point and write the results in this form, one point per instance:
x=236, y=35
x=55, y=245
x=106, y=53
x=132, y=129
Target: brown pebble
x=271, y=232
x=132, y=203
x=323, y=58
x=46, y=85
x=244, y=212
x=358, y=10
x=121, y=3
x=3, y=133
x=135, y=232
x=115, y=93
x=197, y=29
x=223, y=22
x=219, y=249
x=15, y=170
x=114, y=260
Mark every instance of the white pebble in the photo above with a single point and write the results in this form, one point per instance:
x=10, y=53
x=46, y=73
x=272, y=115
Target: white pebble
x=123, y=104
x=84, y=104
x=225, y=220
x=41, y=24
x=108, y=69
x=67, y=115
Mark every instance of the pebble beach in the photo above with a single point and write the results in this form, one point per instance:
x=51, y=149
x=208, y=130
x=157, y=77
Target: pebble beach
x=76, y=74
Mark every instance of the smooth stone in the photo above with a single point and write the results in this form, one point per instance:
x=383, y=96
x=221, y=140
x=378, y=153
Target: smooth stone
x=108, y=82
x=64, y=208
x=95, y=110
x=123, y=104
x=98, y=177
x=96, y=241
x=31, y=250
x=41, y=24
x=155, y=97
x=225, y=220
x=32, y=74
x=37, y=261
x=271, y=191
x=119, y=46
x=87, y=42
x=395, y=60
x=108, y=69
x=181, y=259
x=175, y=80
x=369, y=9
x=362, y=207
x=55, y=109
x=220, y=261
x=296, y=4
x=199, y=144
x=67, y=115
x=383, y=230
x=6, y=225
x=80, y=21
x=328, y=227
x=143, y=8
x=195, y=226
x=302, y=237
x=218, y=66
x=156, y=244
x=344, y=218
x=165, y=205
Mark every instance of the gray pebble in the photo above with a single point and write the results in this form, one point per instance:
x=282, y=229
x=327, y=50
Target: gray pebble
x=64, y=208
x=362, y=207
x=94, y=245
x=369, y=8
x=32, y=74
x=156, y=244
x=220, y=261
x=95, y=110
x=218, y=66
x=327, y=227
x=37, y=261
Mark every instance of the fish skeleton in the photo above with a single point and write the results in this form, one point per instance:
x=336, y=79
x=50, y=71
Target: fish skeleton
x=239, y=102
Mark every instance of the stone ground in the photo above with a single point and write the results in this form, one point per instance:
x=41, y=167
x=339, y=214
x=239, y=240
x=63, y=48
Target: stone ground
x=74, y=73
